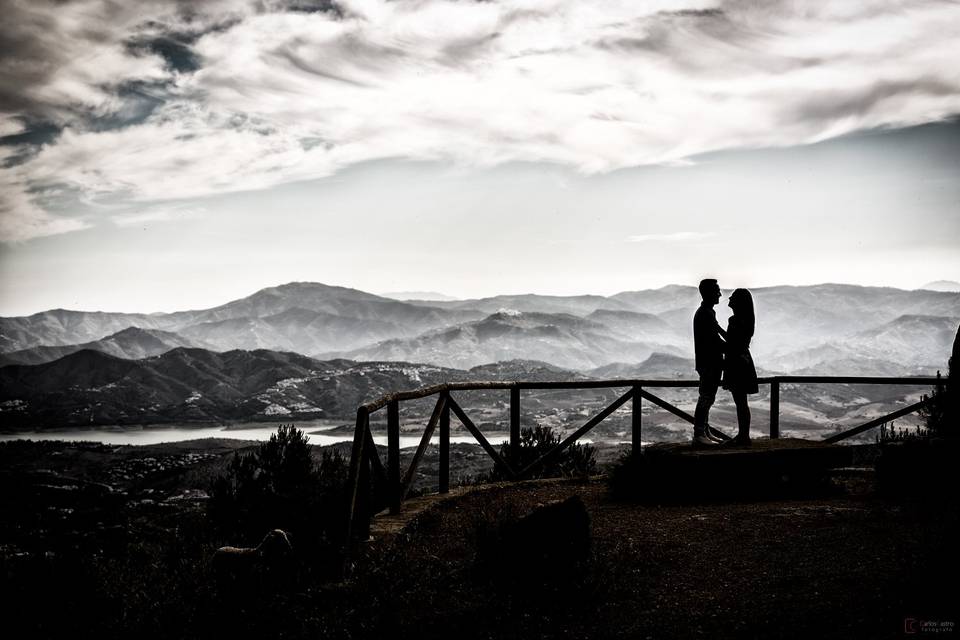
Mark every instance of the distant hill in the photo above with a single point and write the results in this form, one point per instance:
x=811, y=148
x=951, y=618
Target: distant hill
x=864, y=366
x=185, y=385
x=132, y=343
x=657, y=366
x=534, y=303
x=561, y=339
x=908, y=344
x=528, y=370
x=295, y=329
x=62, y=327
x=428, y=296
x=652, y=329
x=660, y=300
x=378, y=318
x=942, y=285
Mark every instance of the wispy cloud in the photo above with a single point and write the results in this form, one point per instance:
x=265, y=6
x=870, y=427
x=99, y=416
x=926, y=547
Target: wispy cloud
x=166, y=98
x=677, y=236
x=156, y=214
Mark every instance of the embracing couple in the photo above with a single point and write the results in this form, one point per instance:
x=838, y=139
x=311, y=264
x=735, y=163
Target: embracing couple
x=723, y=359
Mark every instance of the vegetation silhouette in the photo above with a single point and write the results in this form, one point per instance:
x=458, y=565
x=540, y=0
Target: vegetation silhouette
x=921, y=463
x=577, y=460
x=943, y=411
x=280, y=486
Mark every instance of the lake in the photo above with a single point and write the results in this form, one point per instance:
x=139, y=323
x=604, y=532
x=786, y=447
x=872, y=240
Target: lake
x=178, y=433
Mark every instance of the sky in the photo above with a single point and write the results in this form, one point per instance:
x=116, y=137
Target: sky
x=166, y=154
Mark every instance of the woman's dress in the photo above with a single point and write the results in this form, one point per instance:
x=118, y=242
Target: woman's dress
x=739, y=373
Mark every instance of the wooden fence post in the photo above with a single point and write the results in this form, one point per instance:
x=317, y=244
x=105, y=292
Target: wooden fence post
x=444, y=467
x=774, y=410
x=393, y=456
x=355, y=486
x=636, y=421
x=515, y=425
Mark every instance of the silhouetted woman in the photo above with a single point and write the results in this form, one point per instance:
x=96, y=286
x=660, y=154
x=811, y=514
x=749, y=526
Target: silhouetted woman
x=739, y=374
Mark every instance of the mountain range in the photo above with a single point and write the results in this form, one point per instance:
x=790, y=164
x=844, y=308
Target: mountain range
x=132, y=343
x=309, y=350
x=798, y=328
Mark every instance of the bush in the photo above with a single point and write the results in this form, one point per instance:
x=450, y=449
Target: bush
x=279, y=486
x=942, y=414
x=922, y=464
x=575, y=460
x=893, y=434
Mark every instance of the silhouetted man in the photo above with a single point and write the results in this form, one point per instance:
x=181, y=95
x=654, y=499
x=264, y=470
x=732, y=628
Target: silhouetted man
x=708, y=346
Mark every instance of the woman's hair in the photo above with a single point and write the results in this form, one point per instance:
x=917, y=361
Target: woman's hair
x=742, y=303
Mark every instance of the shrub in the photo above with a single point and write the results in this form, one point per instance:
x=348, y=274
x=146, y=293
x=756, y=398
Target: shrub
x=575, y=460
x=893, y=434
x=942, y=414
x=278, y=486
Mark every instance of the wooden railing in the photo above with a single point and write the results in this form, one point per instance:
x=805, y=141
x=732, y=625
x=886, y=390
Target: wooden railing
x=365, y=459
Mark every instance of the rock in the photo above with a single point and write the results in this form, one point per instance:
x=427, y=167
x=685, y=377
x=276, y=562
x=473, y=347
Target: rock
x=550, y=546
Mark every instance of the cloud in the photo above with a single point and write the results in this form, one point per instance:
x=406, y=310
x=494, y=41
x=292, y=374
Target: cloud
x=166, y=99
x=678, y=236
x=21, y=219
x=156, y=214
x=10, y=127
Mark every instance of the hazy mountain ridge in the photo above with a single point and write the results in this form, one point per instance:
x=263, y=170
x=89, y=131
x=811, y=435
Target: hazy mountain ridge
x=62, y=327
x=294, y=329
x=910, y=344
x=798, y=328
x=420, y=296
x=942, y=285
x=822, y=313
x=533, y=303
x=564, y=340
x=658, y=366
x=378, y=318
x=132, y=343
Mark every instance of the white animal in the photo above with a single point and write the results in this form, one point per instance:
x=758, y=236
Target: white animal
x=271, y=556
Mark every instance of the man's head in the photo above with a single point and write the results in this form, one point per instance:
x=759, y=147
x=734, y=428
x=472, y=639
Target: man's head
x=710, y=291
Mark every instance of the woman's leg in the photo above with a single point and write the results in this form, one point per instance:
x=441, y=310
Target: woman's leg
x=743, y=414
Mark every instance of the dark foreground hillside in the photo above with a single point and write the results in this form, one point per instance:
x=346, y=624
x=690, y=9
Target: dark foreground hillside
x=847, y=566
x=116, y=541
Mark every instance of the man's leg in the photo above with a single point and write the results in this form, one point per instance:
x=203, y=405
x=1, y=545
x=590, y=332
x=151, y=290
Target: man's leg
x=709, y=383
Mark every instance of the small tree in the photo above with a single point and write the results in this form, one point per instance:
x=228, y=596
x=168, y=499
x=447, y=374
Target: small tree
x=575, y=460
x=279, y=486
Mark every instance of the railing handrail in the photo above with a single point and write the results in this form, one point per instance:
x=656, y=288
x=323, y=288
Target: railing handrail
x=480, y=385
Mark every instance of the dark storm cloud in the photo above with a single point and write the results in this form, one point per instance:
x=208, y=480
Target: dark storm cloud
x=175, y=51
